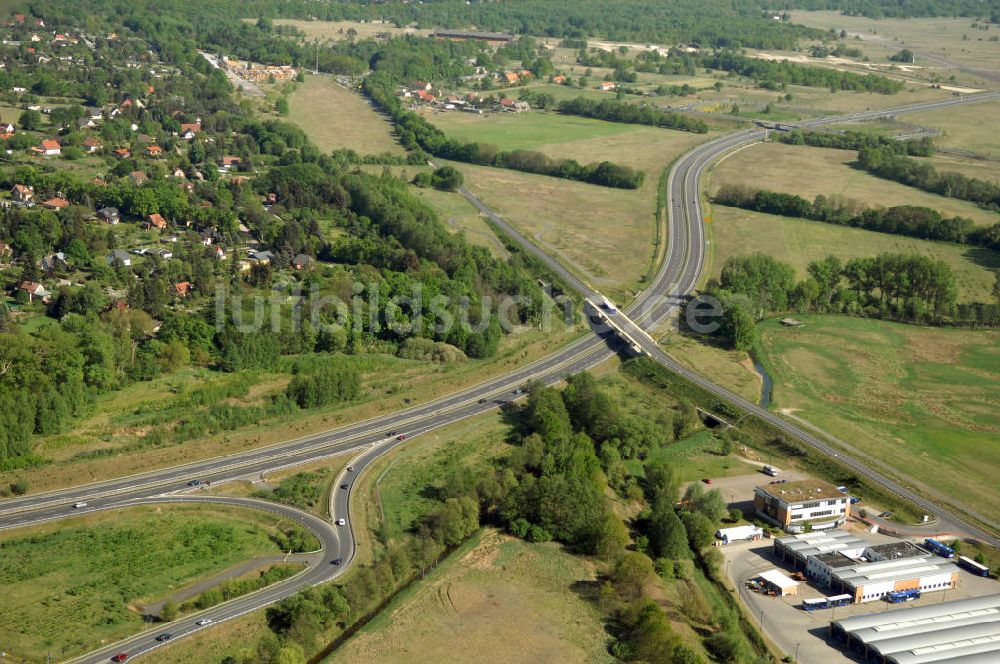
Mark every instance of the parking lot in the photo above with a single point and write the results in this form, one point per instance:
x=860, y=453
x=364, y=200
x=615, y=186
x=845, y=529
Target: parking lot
x=806, y=632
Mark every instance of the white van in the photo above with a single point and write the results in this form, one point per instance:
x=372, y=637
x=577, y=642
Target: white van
x=771, y=470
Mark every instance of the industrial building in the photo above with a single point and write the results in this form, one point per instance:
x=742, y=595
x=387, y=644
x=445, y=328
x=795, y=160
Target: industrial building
x=846, y=564
x=965, y=631
x=778, y=583
x=802, y=506
x=825, y=566
x=797, y=549
x=869, y=581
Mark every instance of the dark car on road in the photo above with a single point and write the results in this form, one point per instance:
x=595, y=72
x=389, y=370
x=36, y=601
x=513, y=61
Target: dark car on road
x=166, y=636
x=195, y=483
x=120, y=657
x=343, y=486
x=336, y=561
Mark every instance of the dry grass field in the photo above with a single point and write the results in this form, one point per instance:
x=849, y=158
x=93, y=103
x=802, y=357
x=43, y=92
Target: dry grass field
x=607, y=236
x=974, y=127
x=799, y=241
x=337, y=30
x=950, y=38
x=499, y=600
x=808, y=171
x=337, y=118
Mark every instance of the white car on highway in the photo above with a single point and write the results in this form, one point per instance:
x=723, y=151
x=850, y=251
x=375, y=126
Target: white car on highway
x=79, y=504
x=203, y=622
x=341, y=522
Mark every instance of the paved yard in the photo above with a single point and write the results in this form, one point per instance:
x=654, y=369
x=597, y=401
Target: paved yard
x=791, y=628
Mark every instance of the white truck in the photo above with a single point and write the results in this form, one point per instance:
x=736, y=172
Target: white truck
x=771, y=470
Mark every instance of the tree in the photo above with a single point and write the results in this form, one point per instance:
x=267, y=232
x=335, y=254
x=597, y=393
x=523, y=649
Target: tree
x=281, y=106
x=739, y=326
x=168, y=613
x=631, y=576
x=667, y=535
x=447, y=178
x=31, y=120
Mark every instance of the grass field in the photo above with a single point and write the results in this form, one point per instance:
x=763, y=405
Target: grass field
x=950, y=38
x=695, y=457
x=69, y=586
x=974, y=127
x=808, y=171
x=729, y=368
x=498, y=600
x=460, y=216
x=337, y=30
x=798, y=242
x=923, y=400
x=336, y=118
x=607, y=236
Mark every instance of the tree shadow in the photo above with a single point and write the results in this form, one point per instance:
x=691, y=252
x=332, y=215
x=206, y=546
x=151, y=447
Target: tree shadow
x=983, y=257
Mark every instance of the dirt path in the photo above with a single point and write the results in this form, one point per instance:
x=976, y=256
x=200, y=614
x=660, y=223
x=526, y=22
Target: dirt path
x=196, y=589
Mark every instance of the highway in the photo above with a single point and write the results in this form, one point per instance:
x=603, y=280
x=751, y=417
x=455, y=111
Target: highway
x=675, y=280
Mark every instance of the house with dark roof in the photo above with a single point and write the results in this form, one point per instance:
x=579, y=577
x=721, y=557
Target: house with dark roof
x=119, y=258
x=54, y=262
x=109, y=215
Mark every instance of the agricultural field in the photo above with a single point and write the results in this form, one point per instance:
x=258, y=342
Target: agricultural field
x=973, y=127
x=808, y=171
x=938, y=43
x=919, y=399
x=496, y=600
x=736, y=232
x=72, y=585
x=334, y=117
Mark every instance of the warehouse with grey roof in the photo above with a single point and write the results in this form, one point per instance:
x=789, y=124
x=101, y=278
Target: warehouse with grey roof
x=960, y=632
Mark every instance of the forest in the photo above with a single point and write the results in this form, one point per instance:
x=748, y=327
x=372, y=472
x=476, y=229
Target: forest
x=909, y=220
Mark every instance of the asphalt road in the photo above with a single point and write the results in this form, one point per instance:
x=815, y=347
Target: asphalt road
x=674, y=281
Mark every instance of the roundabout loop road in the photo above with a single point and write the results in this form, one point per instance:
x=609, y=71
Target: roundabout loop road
x=673, y=283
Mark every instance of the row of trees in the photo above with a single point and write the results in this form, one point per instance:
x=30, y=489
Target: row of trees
x=905, y=287
x=908, y=220
x=857, y=140
x=617, y=111
x=892, y=166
